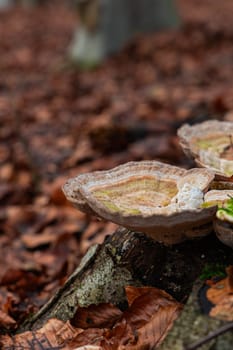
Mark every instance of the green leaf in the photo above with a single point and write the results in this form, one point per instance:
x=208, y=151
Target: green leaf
x=229, y=205
x=225, y=212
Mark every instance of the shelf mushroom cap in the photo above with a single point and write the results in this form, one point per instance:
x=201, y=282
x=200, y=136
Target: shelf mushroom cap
x=223, y=223
x=211, y=145
x=161, y=200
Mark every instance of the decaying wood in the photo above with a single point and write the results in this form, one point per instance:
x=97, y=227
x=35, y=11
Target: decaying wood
x=130, y=258
x=125, y=258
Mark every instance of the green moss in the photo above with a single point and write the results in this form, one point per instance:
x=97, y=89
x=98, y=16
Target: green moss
x=225, y=207
x=213, y=270
x=229, y=205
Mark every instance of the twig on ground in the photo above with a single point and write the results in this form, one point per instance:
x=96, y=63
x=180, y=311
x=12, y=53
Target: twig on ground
x=211, y=336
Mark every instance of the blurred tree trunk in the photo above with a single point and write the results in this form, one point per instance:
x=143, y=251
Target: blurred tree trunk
x=106, y=25
x=31, y=3
x=25, y=3
x=5, y=3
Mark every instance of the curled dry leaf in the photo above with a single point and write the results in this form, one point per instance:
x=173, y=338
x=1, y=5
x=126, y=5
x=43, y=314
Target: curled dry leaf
x=89, y=347
x=54, y=192
x=31, y=221
x=6, y=321
x=143, y=325
x=221, y=295
x=35, y=241
x=95, y=234
x=150, y=316
x=211, y=145
x=44, y=338
x=98, y=316
x=158, y=199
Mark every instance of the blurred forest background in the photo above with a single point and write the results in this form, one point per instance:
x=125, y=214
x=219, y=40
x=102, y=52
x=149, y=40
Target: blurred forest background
x=58, y=119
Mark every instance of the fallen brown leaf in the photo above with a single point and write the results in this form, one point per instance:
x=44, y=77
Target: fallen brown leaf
x=143, y=326
x=95, y=234
x=221, y=295
x=46, y=337
x=6, y=321
x=151, y=315
x=55, y=122
x=98, y=316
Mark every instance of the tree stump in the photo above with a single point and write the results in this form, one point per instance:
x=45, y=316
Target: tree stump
x=131, y=258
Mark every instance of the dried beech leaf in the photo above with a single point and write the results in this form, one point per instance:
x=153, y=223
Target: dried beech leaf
x=153, y=333
x=223, y=310
x=147, y=302
x=96, y=316
x=32, y=241
x=6, y=321
x=44, y=338
x=152, y=314
x=89, y=347
x=132, y=294
x=91, y=336
x=144, y=324
x=95, y=233
x=221, y=295
x=56, y=123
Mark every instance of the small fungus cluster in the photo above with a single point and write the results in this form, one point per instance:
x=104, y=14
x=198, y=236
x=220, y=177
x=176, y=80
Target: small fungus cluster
x=168, y=203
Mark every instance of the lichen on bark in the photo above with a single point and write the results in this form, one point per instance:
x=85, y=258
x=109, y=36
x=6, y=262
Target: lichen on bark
x=105, y=284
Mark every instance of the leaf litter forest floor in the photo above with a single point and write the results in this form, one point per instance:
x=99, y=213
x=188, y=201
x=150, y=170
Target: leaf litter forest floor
x=57, y=122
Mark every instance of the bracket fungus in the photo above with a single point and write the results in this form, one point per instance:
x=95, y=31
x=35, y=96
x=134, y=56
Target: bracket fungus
x=160, y=200
x=211, y=145
x=223, y=222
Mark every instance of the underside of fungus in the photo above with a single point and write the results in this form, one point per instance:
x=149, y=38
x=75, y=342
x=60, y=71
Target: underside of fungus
x=211, y=145
x=163, y=201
